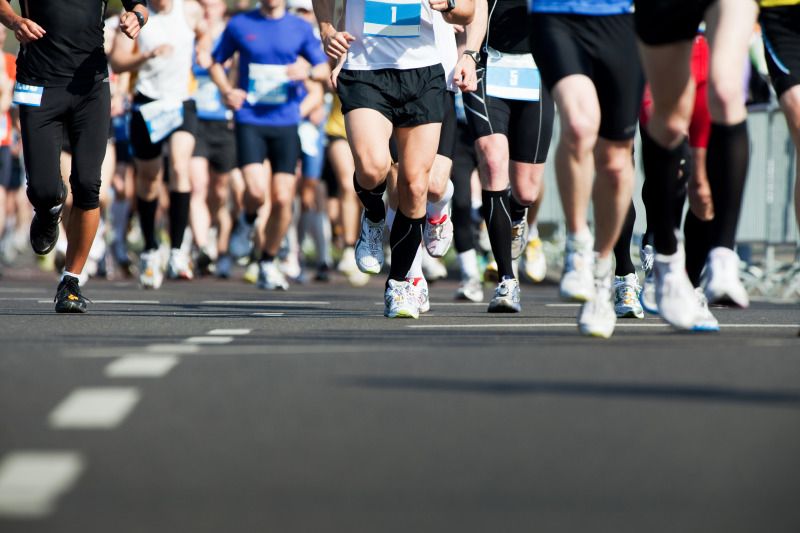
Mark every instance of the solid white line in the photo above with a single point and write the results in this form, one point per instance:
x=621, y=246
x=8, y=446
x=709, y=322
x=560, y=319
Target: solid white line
x=29, y=299
x=172, y=348
x=31, y=481
x=264, y=302
x=574, y=324
x=209, y=340
x=563, y=305
x=229, y=332
x=267, y=314
x=147, y=366
x=20, y=290
x=94, y=408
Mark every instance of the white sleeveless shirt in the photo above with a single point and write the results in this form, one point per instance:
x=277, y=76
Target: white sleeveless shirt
x=166, y=76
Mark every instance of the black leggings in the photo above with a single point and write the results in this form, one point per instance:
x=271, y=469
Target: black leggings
x=84, y=113
x=464, y=162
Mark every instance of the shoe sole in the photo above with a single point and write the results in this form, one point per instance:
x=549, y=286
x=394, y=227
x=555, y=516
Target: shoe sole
x=705, y=329
x=504, y=308
x=581, y=298
x=631, y=314
x=401, y=314
x=596, y=333
x=69, y=307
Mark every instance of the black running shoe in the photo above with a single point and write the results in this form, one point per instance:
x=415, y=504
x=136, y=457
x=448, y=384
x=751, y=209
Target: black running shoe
x=44, y=230
x=68, y=296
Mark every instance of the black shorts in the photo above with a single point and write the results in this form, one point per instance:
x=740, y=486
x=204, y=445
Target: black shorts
x=602, y=48
x=216, y=142
x=405, y=97
x=527, y=125
x=780, y=27
x=669, y=21
x=447, y=138
x=279, y=144
x=140, y=139
x=6, y=168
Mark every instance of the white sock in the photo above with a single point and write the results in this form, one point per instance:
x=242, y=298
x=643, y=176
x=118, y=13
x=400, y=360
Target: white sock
x=416, y=267
x=66, y=273
x=533, y=232
x=602, y=266
x=436, y=210
x=390, y=214
x=468, y=263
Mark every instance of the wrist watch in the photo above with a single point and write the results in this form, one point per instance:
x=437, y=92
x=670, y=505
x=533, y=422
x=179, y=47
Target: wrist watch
x=476, y=56
x=451, y=5
x=140, y=18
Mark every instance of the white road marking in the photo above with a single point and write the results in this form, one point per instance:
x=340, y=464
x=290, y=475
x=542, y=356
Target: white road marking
x=32, y=481
x=19, y=299
x=146, y=366
x=94, y=408
x=267, y=314
x=209, y=340
x=264, y=302
x=574, y=324
x=20, y=290
x=172, y=348
x=229, y=332
x=563, y=305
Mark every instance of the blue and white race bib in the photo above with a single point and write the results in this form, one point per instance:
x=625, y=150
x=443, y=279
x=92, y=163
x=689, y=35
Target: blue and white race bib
x=29, y=95
x=209, y=100
x=392, y=18
x=267, y=84
x=512, y=76
x=162, y=117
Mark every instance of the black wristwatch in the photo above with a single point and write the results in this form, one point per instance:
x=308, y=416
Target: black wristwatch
x=451, y=5
x=140, y=18
x=476, y=56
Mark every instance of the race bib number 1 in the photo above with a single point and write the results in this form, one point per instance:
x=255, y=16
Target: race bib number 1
x=268, y=84
x=29, y=95
x=162, y=117
x=512, y=76
x=393, y=18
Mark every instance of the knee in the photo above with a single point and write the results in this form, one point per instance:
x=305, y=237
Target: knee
x=47, y=195
x=616, y=170
x=85, y=194
x=416, y=189
x=580, y=133
x=372, y=171
x=726, y=99
x=283, y=197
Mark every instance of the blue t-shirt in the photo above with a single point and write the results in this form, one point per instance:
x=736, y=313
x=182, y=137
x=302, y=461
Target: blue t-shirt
x=265, y=47
x=581, y=7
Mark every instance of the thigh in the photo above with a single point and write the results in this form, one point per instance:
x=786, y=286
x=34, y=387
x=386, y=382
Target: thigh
x=782, y=46
x=368, y=133
x=417, y=146
x=251, y=147
x=283, y=149
x=531, y=129
x=660, y=22
x=222, y=150
x=141, y=146
x=42, y=132
x=556, y=47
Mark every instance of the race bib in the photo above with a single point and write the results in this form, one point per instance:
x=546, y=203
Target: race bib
x=209, y=100
x=268, y=84
x=512, y=76
x=393, y=18
x=29, y=95
x=309, y=138
x=162, y=117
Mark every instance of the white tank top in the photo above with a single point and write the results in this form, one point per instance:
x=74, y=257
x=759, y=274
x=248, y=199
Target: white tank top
x=166, y=76
x=448, y=50
x=396, y=34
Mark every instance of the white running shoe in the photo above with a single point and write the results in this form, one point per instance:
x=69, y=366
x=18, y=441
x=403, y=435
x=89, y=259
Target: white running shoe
x=577, y=281
x=675, y=298
x=399, y=301
x=356, y=278
x=597, y=317
x=519, y=235
x=419, y=288
x=433, y=268
x=647, y=296
x=179, y=266
x=251, y=272
x=438, y=235
x=534, y=262
x=722, y=282
x=270, y=277
x=347, y=263
x=705, y=321
x=471, y=290
x=506, y=297
x=150, y=275
x=626, y=297
x=369, y=247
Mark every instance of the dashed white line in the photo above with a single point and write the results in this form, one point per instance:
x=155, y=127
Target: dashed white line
x=230, y=332
x=564, y=305
x=267, y=315
x=211, y=339
x=32, y=481
x=264, y=302
x=146, y=366
x=94, y=408
x=172, y=348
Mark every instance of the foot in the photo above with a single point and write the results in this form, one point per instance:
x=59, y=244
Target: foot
x=68, y=296
x=179, y=266
x=323, y=274
x=419, y=287
x=577, y=281
x=438, y=235
x=203, y=262
x=369, y=247
x=270, y=277
x=647, y=296
x=433, y=268
x=704, y=321
x=470, y=290
x=399, y=301
x=224, y=266
x=44, y=229
x=519, y=235
x=675, y=298
x=506, y=297
x=626, y=297
x=722, y=282
x=534, y=263
x=150, y=274
x=597, y=317
x=241, y=241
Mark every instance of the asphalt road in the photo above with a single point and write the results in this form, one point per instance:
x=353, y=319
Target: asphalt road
x=313, y=413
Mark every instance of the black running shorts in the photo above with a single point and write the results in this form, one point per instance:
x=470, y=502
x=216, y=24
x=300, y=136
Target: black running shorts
x=669, y=21
x=216, y=142
x=279, y=144
x=780, y=27
x=447, y=138
x=141, y=145
x=405, y=97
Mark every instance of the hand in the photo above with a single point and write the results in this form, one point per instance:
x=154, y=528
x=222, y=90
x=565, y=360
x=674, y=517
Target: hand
x=700, y=201
x=335, y=73
x=129, y=24
x=163, y=50
x=465, y=75
x=336, y=44
x=458, y=28
x=438, y=5
x=300, y=70
x=117, y=105
x=317, y=116
x=234, y=99
x=204, y=59
x=27, y=31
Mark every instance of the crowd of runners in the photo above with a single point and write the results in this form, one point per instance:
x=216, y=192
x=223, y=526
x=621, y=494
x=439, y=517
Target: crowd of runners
x=181, y=138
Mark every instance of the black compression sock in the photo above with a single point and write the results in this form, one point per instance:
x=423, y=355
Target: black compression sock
x=698, y=235
x=516, y=209
x=728, y=157
x=661, y=167
x=178, y=216
x=267, y=257
x=498, y=224
x=147, y=221
x=372, y=200
x=622, y=250
x=404, y=239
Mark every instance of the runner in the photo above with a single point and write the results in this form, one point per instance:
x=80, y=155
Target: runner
x=62, y=86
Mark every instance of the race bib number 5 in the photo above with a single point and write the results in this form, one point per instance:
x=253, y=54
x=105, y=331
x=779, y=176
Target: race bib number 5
x=29, y=95
x=268, y=84
x=393, y=18
x=512, y=76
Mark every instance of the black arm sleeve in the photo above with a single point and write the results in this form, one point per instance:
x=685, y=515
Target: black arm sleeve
x=129, y=4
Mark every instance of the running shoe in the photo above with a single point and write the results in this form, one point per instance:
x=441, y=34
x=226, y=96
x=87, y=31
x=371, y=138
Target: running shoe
x=534, y=263
x=224, y=266
x=399, y=301
x=490, y=274
x=626, y=297
x=369, y=247
x=270, y=277
x=470, y=290
x=150, y=275
x=647, y=296
x=577, y=281
x=241, y=241
x=506, y=297
x=438, y=235
x=179, y=265
x=68, y=296
x=323, y=274
x=675, y=298
x=722, y=282
x=419, y=287
x=705, y=321
x=45, y=229
x=433, y=268
x=597, y=317
x=519, y=234
x=203, y=262
x=252, y=272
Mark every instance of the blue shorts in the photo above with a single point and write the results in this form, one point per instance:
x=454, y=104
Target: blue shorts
x=312, y=142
